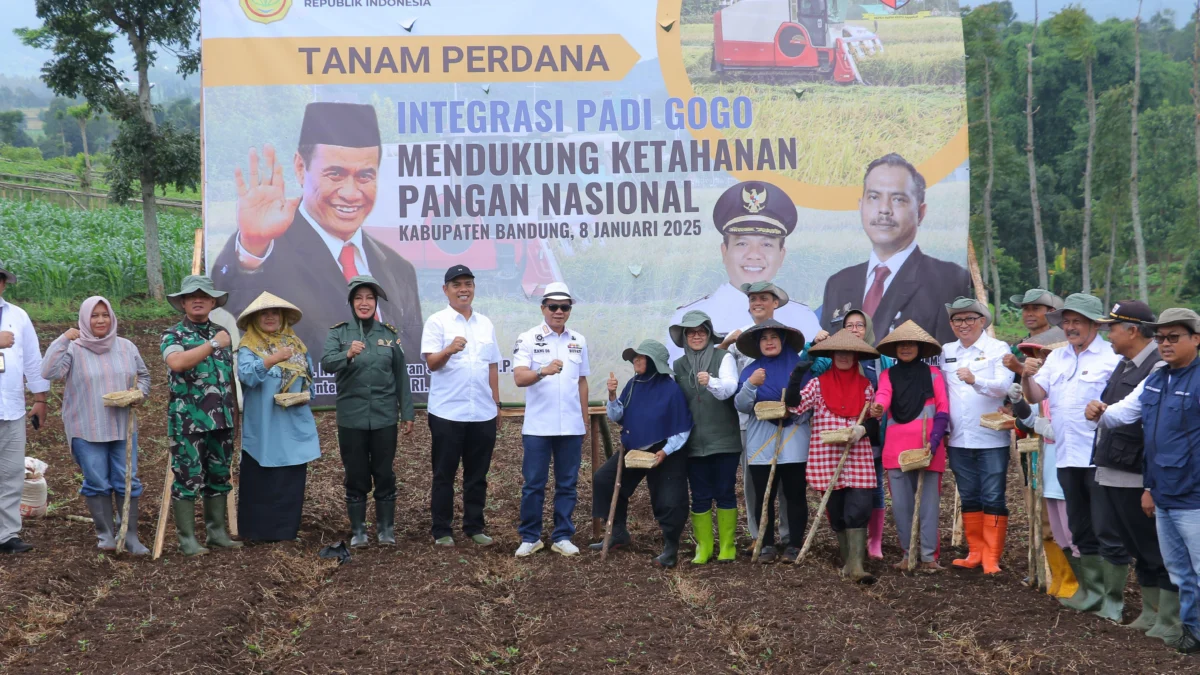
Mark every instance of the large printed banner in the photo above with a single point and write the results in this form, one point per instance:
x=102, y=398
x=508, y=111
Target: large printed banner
x=652, y=156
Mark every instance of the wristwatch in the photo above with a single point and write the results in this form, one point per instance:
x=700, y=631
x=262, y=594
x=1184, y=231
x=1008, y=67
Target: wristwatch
x=214, y=344
x=540, y=375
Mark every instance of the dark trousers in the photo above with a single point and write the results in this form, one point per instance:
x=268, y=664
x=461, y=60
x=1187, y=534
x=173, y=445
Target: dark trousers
x=1079, y=485
x=367, y=457
x=713, y=478
x=791, y=479
x=981, y=476
x=472, y=443
x=668, y=491
x=850, y=508
x=1117, y=515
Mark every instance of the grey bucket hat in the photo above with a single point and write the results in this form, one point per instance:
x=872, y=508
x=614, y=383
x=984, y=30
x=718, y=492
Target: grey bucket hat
x=9, y=277
x=1037, y=296
x=693, y=319
x=963, y=305
x=653, y=350
x=1081, y=303
x=747, y=342
x=766, y=287
x=1177, y=316
x=197, y=283
x=1049, y=339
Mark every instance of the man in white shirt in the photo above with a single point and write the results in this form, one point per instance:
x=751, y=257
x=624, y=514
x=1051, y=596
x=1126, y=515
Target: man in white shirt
x=1072, y=377
x=551, y=363
x=459, y=346
x=977, y=384
x=20, y=367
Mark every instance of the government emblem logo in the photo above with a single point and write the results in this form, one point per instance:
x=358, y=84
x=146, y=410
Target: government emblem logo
x=265, y=11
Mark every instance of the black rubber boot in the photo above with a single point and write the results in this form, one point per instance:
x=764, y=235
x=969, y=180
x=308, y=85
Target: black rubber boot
x=385, y=522
x=620, y=539
x=357, y=511
x=670, y=555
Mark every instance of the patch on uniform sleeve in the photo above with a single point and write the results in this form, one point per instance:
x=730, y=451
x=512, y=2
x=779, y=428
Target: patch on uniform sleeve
x=390, y=327
x=338, y=325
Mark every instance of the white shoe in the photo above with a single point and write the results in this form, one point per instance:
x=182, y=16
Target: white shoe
x=528, y=548
x=565, y=547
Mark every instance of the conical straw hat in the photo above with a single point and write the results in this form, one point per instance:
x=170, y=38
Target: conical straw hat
x=291, y=313
x=843, y=341
x=909, y=331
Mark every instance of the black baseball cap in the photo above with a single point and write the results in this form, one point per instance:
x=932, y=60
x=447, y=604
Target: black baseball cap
x=1128, y=311
x=458, y=271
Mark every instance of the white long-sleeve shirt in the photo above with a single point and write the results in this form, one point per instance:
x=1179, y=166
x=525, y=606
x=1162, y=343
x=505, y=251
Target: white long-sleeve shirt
x=1071, y=381
x=968, y=402
x=22, y=362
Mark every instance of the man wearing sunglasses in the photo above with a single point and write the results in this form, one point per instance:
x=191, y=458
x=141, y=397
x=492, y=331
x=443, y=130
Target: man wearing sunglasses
x=977, y=384
x=1166, y=403
x=1072, y=377
x=551, y=364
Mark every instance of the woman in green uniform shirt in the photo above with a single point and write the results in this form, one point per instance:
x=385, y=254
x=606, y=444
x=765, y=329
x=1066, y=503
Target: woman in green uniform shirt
x=372, y=393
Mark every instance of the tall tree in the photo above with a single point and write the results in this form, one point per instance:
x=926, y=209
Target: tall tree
x=81, y=34
x=1196, y=100
x=1139, y=239
x=82, y=114
x=1038, y=236
x=982, y=28
x=1074, y=25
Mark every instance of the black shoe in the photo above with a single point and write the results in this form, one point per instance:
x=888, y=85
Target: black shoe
x=767, y=555
x=1188, y=644
x=620, y=539
x=15, y=545
x=670, y=555
x=790, y=554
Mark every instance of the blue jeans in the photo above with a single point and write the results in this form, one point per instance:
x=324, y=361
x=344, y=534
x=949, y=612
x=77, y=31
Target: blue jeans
x=103, y=466
x=713, y=478
x=981, y=475
x=880, y=501
x=566, y=451
x=1179, y=541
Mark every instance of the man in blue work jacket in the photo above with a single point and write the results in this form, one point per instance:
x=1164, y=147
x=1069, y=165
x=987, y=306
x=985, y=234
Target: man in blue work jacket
x=1168, y=403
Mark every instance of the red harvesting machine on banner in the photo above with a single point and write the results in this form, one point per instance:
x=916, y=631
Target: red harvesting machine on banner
x=788, y=37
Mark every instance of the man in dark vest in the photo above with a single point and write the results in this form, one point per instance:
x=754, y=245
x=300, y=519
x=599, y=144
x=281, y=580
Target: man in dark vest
x=306, y=248
x=1122, y=527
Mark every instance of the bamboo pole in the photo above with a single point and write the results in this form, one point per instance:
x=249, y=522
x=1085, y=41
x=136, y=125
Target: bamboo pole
x=612, y=507
x=597, y=524
x=767, y=497
x=837, y=472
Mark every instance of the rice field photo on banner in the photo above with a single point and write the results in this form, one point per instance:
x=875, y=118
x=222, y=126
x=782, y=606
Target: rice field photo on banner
x=654, y=156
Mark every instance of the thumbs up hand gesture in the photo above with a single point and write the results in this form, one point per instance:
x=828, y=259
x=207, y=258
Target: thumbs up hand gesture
x=612, y=386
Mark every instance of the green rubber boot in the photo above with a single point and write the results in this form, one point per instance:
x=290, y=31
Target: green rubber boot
x=214, y=523
x=1167, y=627
x=856, y=551
x=703, y=534
x=1090, y=574
x=1149, y=615
x=842, y=549
x=727, y=531
x=184, y=511
x=1112, y=603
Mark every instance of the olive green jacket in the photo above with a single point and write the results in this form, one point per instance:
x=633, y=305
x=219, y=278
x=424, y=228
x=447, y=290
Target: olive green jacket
x=372, y=388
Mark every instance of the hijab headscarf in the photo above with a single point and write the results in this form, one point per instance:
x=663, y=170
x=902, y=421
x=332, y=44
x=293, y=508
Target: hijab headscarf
x=655, y=409
x=96, y=345
x=699, y=360
x=264, y=344
x=912, y=386
x=779, y=368
x=844, y=391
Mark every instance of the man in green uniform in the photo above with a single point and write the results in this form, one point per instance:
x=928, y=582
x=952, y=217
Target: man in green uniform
x=199, y=413
x=373, y=391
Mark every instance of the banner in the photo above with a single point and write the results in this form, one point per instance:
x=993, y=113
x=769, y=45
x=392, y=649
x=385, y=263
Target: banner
x=652, y=156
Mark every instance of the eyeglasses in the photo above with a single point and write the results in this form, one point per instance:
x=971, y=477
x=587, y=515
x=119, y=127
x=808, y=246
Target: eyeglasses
x=965, y=320
x=854, y=326
x=558, y=308
x=695, y=332
x=1172, y=338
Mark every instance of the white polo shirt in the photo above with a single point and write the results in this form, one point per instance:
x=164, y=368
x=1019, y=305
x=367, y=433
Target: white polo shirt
x=1071, y=381
x=459, y=391
x=969, y=402
x=552, y=406
x=22, y=362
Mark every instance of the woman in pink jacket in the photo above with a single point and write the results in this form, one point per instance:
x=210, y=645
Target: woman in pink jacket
x=913, y=397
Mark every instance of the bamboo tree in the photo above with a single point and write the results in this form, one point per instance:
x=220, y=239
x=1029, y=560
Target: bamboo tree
x=1139, y=240
x=1038, y=236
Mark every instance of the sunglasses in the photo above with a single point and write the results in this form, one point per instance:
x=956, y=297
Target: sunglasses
x=558, y=308
x=1173, y=338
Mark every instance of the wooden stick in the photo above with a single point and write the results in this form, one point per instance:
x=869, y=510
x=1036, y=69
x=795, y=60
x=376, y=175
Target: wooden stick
x=837, y=472
x=612, y=507
x=914, y=540
x=762, y=518
x=131, y=422
x=597, y=524
x=956, y=535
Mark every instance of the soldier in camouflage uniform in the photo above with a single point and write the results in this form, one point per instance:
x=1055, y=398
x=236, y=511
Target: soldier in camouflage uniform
x=199, y=413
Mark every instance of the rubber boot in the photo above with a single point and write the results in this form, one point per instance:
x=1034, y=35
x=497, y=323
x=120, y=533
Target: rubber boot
x=702, y=532
x=1145, y=621
x=620, y=539
x=214, y=523
x=973, y=530
x=843, y=550
x=385, y=522
x=184, y=511
x=101, y=509
x=1167, y=627
x=1090, y=574
x=995, y=531
x=357, y=512
x=856, y=552
x=727, y=530
x=132, y=544
x=1062, y=571
x=875, y=534
x=1112, y=591
x=670, y=555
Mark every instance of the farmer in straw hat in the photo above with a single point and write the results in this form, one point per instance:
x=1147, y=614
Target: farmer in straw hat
x=912, y=396
x=373, y=391
x=775, y=349
x=654, y=417
x=978, y=385
x=92, y=361
x=708, y=376
x=277, y=442
x=837, y=399
x=200, y=413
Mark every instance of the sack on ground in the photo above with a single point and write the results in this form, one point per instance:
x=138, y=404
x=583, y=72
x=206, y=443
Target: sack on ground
x=33, y=492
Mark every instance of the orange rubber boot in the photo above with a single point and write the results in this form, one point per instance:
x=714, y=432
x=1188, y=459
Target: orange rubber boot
x=973, y=529
x=995, y=531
